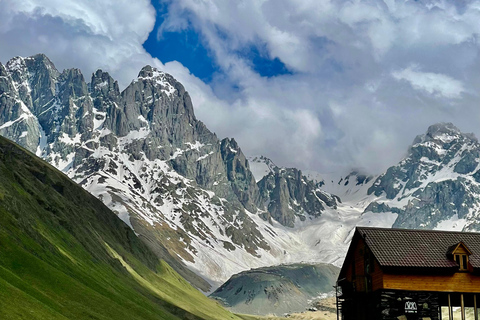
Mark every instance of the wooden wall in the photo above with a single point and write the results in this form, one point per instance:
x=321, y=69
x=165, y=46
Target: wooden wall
x=458, y=282
x=359, y=258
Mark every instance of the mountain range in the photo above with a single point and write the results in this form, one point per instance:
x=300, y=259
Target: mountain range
x=196, y=200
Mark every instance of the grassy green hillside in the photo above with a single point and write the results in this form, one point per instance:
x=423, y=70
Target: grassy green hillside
x=64, y=255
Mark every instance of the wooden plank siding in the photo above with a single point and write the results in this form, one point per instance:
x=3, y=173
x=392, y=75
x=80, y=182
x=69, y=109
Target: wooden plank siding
x=458, y=282
x=460, y=250
x=359, y=258
x=377, y=277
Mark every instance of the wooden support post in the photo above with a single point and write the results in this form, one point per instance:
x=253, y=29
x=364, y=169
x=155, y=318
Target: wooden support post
x=450, y=311
x=462, y=305
x=475, y=306
x=336, y=298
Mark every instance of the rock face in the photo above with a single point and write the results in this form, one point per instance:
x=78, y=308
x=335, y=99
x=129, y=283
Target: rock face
x=277, y=290
x=146, y=156
x=436, y=185
x=289, y=195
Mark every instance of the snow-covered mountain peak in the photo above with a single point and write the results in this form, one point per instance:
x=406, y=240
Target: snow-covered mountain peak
x=21, y=64
x=260, y=166
x=103, y=84
x=442, y=133
x=437, y=181
x=16, y=64
x=161, y=79
x=444, y=145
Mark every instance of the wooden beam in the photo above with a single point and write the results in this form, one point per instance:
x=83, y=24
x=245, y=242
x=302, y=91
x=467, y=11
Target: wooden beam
x=450, y=312
x=336, y=296
x=462, y=305
x=475, y=306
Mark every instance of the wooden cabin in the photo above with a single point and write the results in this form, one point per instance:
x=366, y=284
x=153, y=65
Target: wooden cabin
x=400, y=274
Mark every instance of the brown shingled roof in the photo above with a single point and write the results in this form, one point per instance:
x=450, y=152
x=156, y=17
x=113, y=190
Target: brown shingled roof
x=418, y=248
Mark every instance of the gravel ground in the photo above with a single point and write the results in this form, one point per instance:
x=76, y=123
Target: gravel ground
x=326, y=311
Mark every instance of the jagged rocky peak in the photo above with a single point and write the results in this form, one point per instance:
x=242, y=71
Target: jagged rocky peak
x=34, y=79
x=161, y=79
x=442, y=147
x=102, y=84
x=3, y=72
x=5, y=81
x=72, y=84
x=441, y=133
x=154, y=98
x=442, y=143
x=36, y=62
x=260, y=166
x=240, y=176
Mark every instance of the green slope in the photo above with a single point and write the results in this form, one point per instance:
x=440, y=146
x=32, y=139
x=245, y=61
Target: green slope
x=64, y=255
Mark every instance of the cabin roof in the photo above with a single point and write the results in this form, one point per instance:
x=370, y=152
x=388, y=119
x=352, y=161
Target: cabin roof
x=418, y=248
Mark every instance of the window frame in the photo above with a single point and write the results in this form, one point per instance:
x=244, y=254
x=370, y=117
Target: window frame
x=462, y=260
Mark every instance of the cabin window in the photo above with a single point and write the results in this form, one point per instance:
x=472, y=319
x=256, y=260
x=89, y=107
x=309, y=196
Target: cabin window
x=462, y=260
x=354, y=275
x=369, y=262
x=368, y=283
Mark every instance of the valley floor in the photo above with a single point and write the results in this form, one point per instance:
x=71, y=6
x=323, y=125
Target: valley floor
x=326, y=311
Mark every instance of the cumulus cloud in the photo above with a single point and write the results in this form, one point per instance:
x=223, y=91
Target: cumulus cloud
x=432, y=83
x=365, y=77
x=81, y=34
x=357, y=69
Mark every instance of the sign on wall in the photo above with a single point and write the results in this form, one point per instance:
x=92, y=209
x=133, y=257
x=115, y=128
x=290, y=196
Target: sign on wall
x=410, y=307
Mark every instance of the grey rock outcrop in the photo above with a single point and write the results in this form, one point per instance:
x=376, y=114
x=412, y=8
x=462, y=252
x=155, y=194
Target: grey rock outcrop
x=288, y=196
x=16, y=120
x=238, y=173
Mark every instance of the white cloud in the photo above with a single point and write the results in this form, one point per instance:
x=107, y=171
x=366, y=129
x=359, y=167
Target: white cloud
x=342, y=106
x=432, y=83
x=82, y=34
x=342, y=54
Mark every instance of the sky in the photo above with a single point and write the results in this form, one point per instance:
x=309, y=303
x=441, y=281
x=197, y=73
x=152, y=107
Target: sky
x=323, y=85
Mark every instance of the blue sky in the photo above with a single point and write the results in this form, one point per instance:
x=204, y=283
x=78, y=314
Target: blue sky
x=325, y=85
x=185, y=47
x=188, y=47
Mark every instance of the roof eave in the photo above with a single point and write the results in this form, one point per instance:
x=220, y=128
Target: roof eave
x=419, y=269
